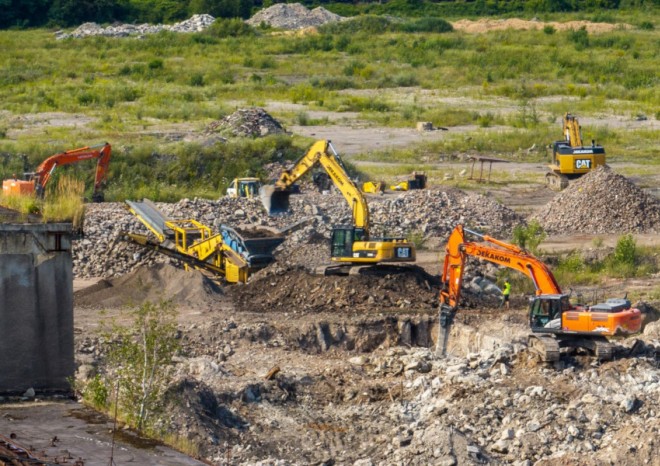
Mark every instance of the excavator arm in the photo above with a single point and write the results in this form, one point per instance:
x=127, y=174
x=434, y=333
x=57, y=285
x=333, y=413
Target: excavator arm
x=101, y=152
x=495, y=251
x=275, y=198
x=572, y=130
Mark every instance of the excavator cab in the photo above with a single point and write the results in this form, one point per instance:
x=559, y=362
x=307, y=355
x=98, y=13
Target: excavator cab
x=343, y=238
x=545, y=311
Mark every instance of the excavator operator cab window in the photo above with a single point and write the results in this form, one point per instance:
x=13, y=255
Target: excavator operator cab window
x=342, y=242
x=540, y=312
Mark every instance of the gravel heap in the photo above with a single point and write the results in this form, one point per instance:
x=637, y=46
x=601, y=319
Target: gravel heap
x=293, y=16
x=248, y=122
x=431, y=214
x=196, y=23
x=601, y=201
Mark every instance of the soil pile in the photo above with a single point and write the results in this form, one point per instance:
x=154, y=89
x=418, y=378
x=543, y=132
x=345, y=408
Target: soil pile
x=293, y=16
x=602, y=201
x=299, y=292
x=248, y=122
x=160, y=283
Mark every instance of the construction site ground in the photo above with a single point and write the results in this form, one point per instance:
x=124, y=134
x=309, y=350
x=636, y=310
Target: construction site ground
x=296, y=368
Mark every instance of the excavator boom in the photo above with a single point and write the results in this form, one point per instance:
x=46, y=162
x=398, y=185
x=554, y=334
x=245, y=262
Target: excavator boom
x=505, y=254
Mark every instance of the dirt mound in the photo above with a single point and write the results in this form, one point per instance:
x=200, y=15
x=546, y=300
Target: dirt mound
x=298, y=291
x=250, y=122
x=293, y=16
x=163, y=282
x=602, y=201
x=486, y=25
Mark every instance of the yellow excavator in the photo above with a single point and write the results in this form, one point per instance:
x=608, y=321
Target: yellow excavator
x=570, y=157
x=351, y=244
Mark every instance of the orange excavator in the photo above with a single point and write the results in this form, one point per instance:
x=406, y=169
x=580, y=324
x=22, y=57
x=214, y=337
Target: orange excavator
x=554, y=321
x=37, y=181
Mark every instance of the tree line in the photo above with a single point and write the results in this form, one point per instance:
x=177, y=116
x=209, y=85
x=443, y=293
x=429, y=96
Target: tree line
x=63, y=13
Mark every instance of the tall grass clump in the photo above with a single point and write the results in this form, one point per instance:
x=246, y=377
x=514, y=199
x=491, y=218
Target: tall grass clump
x=66, y=202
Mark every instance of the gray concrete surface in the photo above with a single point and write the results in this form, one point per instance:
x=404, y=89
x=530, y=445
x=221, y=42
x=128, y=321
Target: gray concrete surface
x=81, y=433
x=36, y=307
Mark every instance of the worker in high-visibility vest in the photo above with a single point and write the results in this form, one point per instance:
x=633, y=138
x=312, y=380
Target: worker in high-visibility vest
x=505, y=294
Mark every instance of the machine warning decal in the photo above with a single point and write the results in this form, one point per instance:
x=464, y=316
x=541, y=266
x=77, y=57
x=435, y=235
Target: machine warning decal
x=583, y=163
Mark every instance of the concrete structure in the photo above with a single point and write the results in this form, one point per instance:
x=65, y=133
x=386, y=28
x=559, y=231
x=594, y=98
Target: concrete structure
x=36, y=305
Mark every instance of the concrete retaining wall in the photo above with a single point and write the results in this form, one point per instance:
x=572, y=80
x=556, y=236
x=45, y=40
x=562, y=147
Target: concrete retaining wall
x=36, y=307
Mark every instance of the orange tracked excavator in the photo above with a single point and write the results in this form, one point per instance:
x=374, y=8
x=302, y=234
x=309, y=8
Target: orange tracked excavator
x=37, y=181
x=555, y=322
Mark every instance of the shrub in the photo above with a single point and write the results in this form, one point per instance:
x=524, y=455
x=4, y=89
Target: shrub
x=234, y=27
x=139, y=362
x=529, y=236
x=549, y=29
x=579, y=38
x=427, y=24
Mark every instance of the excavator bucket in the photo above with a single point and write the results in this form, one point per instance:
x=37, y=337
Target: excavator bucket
x=275, y=200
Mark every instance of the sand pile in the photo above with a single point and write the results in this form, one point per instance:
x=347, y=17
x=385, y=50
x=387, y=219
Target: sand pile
x=602, y=201
x=487, y=24
x=155, y=284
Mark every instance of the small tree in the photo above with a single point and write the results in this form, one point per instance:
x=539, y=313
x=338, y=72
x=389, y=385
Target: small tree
x=530, y=236
x=140, y=361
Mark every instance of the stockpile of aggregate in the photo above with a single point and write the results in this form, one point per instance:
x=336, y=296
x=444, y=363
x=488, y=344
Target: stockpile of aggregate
x=247, y=122
x=293, y=16
x=601, y=201
x=195, y=23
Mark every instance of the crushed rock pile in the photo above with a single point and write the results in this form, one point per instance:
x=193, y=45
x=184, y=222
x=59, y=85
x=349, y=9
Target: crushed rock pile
x=293, y=16
x=195, y=23
x=430, y=213
x=248, y=122
x=155, y=283
x=601, y=201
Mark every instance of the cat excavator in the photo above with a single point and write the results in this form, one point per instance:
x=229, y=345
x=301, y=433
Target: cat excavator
x=570, y=157
x=350, y=244
x=554, y=321
x=37, y=180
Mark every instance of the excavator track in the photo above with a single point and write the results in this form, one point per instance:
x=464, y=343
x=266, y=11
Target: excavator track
x=545, y=346
x=600, y=347
x=556, y=181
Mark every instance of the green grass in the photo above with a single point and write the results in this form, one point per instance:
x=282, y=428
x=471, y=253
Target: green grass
x=510, y=86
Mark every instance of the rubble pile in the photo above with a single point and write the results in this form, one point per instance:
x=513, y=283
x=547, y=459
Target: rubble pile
x=293, y=16
x=601, y=201
x=403, y=405
x=247, y=122
x=425, y=214
x=195, y=23
x=297, y=291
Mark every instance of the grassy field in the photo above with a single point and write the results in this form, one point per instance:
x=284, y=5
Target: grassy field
x=137, y=91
